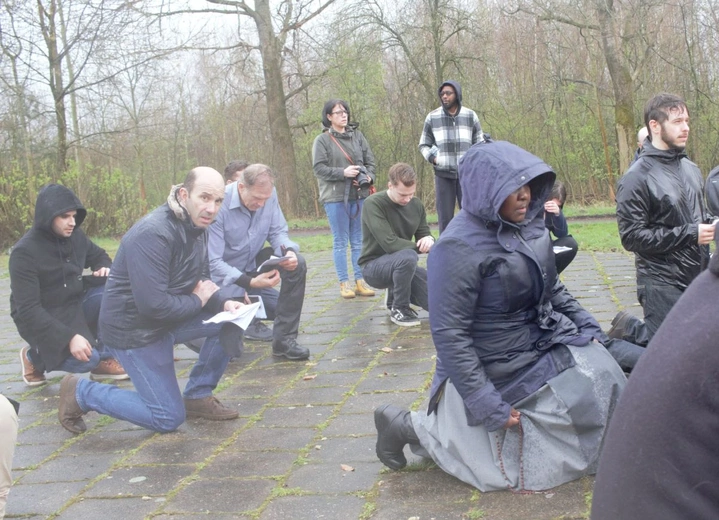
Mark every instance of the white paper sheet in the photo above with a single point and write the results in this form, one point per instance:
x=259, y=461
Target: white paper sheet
x=242, y=318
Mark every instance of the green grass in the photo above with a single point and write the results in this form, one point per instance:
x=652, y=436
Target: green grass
x=596, y=236
x=594, y=210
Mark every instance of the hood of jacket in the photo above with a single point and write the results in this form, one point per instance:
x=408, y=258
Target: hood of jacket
x=457, y=89
x=491, y=171
x=54, y=200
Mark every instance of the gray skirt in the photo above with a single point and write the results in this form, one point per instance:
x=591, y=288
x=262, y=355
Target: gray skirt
x=559, y=439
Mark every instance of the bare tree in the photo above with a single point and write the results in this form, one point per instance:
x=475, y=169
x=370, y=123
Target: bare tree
x=623, y=42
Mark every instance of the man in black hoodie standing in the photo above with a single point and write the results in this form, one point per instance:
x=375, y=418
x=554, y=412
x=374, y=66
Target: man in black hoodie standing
x=448, y=133
x=661, y=217
x=55, y=307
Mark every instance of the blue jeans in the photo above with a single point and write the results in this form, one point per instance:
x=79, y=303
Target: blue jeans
x=346, y=230
x=157, y=403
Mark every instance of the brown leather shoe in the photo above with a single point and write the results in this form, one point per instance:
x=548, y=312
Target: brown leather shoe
x=109, y=369
x=68, y=410
x=209, y=408
x=31, y=375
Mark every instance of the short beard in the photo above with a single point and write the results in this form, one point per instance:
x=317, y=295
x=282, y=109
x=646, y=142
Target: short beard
x=670, y=143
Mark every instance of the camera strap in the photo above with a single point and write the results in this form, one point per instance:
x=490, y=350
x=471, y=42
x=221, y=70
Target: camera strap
x=348, y=181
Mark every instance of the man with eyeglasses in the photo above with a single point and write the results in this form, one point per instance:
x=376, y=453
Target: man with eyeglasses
x=448, y=133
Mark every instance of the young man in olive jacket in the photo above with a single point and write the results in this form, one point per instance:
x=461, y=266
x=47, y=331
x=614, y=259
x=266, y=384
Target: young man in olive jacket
x=394, y=232
x=661, y=217
x=55, y=307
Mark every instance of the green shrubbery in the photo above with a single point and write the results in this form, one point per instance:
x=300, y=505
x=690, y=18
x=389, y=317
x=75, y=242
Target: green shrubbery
x=111, y=198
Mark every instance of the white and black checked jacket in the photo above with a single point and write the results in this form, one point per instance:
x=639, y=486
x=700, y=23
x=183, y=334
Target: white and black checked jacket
x=448, y=137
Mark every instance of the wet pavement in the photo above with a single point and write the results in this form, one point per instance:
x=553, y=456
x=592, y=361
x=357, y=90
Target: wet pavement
x=303, y=447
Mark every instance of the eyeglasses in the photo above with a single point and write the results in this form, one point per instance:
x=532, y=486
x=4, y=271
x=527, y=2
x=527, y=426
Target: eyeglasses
x=446, y=93
x=339, y=112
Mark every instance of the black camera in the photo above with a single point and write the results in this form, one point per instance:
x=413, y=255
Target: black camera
x=363, y=178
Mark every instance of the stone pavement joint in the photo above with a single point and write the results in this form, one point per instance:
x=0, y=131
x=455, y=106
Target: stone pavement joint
x=303, y=446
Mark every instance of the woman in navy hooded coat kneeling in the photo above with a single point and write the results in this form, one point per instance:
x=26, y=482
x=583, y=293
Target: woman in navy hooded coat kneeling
x=523, y=387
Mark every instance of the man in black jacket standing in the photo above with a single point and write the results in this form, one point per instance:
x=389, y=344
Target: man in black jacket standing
x=158, y=294
x=661, y=215
x=55, y=307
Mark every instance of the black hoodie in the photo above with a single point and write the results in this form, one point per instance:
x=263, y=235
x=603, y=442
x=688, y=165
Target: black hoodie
x=46, y=280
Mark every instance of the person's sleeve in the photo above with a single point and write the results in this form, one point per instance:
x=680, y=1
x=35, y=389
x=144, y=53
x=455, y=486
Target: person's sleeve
x=375, y=221
x=454, y=283
x=35, y=324
x=476, y=129
x=278, y=234
x=321, y=162
x=222, y=273
x=557, y=224
x=637, y=232
x=563, y=302
x=368, y=158
x=427, y=144
x=96, y=257
x=423, y=228
x=148, y=267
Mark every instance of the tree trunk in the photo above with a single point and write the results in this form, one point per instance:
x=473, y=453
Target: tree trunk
x=283, y=149
x=622, y=83
x=49, y=32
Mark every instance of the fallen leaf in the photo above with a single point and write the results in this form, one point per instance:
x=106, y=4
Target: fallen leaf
x=309, y=377
x=345, y=467
x=137, y=479
x=386, y=349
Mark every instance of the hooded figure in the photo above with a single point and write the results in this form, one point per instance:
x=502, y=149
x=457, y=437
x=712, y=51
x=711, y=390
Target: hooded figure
x=448, y=133
x=523, y=389
x=46, y=279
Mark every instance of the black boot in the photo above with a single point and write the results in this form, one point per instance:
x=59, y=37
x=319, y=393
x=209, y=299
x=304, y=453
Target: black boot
x=394, y=430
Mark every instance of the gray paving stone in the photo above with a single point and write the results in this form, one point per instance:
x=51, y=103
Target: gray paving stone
x=141, y=480
x=110, y=508
x=70, y=468
x=263, y=438
x=314, y=507
x=332, y=478
x=41, y=499
x=254, y=463
x=301, y=416
x=213, y=496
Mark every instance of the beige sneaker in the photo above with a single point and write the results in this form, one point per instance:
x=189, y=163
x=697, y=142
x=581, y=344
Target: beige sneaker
x=345, y=291
x=109, y=369
x=362, y=289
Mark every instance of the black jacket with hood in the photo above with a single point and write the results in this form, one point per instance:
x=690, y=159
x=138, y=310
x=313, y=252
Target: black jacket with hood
x=659, y=208
x=46, y=280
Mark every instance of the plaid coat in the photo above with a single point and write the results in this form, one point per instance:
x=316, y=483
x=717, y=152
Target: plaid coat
x=448, y=137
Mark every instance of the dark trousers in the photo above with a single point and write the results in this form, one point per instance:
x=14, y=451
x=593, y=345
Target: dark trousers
x=285, y=307
x=656, y=299
x=447, y=193
x=399, y=272
x=563, y=259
